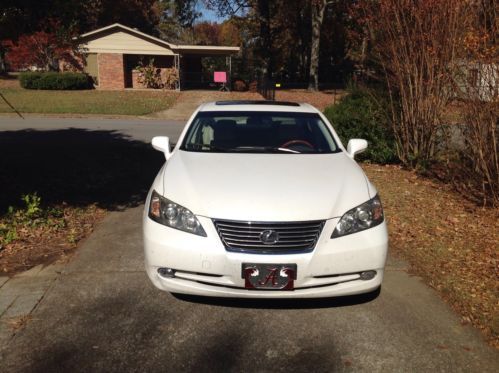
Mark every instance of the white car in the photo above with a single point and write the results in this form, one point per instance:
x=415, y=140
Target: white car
x=260, y=199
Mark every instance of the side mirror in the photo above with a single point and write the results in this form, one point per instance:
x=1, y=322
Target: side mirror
x=162, y=144
x=356, y=146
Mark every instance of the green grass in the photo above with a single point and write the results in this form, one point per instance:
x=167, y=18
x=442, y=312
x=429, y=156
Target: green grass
x=86, y=102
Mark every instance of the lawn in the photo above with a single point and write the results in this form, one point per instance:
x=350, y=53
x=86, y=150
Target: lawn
x=85, y=102
x=130, y=102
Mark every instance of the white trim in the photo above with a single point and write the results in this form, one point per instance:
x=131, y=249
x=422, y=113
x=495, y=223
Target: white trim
x=208, y=48
x=166, y=52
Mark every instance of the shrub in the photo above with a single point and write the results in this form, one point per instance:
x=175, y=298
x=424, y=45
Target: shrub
x=239, y=85
x=149, y=75
x=415, y=48
x=480, y=154
x=169, y=78
x=361, y=114
x=253, y=86
x=54, y=80
x=154, y=77
x=30, y=215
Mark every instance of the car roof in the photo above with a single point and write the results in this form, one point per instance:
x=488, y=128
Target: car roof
x=254, y=105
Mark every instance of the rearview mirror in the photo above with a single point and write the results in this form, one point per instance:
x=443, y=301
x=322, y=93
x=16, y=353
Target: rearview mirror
x=162, y=144
x=356, y=146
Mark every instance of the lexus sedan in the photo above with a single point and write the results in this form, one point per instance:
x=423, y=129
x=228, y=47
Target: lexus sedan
x=260, y=199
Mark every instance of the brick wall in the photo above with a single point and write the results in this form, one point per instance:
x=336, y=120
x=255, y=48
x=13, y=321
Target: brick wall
x=111, y=71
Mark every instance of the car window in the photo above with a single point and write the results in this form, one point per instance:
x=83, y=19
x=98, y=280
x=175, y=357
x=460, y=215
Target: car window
x=259, y=132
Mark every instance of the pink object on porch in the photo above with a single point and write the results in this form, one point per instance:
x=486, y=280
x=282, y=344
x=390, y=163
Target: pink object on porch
x=220, y=77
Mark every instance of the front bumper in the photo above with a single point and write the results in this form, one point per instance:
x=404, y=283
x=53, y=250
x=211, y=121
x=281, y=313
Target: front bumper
x=204, y=267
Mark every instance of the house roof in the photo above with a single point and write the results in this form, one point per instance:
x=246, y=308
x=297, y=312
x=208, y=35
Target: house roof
x=169, y=47
x=130, y=30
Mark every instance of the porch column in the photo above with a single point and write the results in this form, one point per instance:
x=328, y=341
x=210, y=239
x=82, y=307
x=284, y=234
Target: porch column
x=230, y=73
x=176, y=62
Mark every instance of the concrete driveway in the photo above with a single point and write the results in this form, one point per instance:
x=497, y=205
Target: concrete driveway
x=102, y=314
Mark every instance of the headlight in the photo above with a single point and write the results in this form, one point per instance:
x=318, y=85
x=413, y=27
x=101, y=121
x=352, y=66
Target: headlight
x=166, y=212
x=365, y=216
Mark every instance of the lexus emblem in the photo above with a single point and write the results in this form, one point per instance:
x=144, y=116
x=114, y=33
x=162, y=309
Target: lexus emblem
x=269, y=237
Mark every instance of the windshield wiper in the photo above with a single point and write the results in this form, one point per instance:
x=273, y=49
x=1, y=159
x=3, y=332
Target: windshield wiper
x=286, y=150
x=199, y=147
x=242, y=149
x=270, y=149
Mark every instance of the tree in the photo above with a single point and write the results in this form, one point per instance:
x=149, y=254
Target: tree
x=477, y=89
x=280, y=36
x=207, y=33
x=261, y=16
x=318, y=9
x=177, y=19
x=24, y=17
x=415, y=46
x=141, y=14
x=229, y=33
x=186, y=12
x=16, y=17
x=211, y=33
x=230, y=7
x=40, y=49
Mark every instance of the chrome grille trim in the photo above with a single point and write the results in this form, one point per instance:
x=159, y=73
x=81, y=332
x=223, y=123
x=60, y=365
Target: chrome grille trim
x=252, y=225
x=244, y=236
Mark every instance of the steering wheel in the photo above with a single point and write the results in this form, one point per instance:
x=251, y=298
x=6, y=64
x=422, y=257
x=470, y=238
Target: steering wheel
x=293, y=142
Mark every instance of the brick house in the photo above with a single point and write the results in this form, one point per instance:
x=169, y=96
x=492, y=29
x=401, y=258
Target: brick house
x=113, y=52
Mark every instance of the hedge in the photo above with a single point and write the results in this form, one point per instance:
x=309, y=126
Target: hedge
x=362, y=114
x=55, y=80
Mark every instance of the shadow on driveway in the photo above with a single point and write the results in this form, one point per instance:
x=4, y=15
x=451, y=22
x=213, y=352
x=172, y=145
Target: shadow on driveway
x=76, y=166
x=304, y=303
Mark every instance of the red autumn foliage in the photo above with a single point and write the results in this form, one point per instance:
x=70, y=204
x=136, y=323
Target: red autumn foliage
x=41, y=50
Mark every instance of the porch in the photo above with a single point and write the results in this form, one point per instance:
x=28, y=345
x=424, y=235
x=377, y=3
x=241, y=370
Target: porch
x=113, y=54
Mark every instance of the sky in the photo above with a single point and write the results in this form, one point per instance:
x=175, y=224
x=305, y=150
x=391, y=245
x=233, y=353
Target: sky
x=207, y=15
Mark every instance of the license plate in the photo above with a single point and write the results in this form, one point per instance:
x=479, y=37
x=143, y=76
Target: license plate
x=269, y=276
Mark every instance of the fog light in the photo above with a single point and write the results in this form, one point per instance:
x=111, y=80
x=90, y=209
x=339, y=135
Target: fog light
x=367, y=275
x=166, y=272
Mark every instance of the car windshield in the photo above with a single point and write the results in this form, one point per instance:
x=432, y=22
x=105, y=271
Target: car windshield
x=259, y=132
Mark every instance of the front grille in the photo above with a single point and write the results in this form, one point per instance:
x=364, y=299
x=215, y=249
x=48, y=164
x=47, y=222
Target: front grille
x=293, y=237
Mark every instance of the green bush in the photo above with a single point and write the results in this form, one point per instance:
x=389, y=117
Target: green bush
x=55, y=80
x=361, y=114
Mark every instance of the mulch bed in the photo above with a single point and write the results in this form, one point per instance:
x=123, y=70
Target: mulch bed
x=450, y=242
x=320, y=99
x=48, y=243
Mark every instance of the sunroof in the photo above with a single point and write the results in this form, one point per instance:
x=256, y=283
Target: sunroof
x=256, y=102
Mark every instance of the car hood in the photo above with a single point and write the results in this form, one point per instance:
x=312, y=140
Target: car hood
x=265, y=187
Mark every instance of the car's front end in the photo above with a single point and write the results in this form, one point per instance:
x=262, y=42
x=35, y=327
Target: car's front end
x=264, y=224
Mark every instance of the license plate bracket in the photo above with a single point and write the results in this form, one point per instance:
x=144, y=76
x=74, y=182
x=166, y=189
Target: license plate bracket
x=269, y=276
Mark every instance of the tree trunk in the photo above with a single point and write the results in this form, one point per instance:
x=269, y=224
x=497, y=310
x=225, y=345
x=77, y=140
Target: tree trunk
x=318, y=8
x=266, y=37
x=3, y=68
